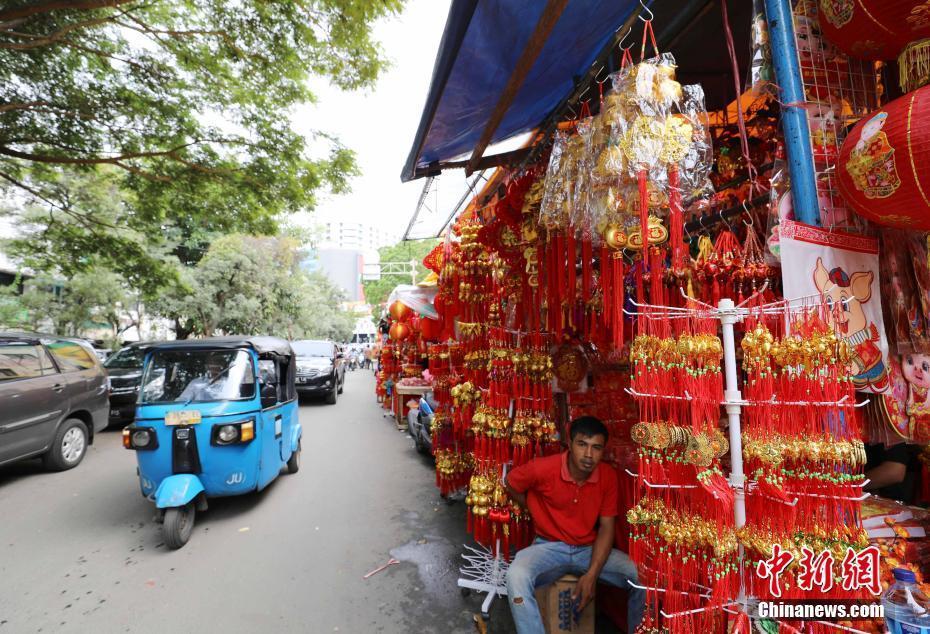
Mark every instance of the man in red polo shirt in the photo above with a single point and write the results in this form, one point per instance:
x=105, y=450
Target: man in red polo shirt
x=572, y=498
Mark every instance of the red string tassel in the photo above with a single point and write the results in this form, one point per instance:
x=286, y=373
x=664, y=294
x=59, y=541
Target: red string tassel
x=587, y=274
x=643, y=228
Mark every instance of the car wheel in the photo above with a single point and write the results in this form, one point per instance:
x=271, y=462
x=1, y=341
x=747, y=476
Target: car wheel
x=293, y=463
x=68, y=446
x=331, y=397
x=179, y=524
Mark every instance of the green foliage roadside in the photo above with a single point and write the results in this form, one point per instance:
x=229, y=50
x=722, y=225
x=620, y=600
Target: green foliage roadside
x=377, y=291
x=243, y=285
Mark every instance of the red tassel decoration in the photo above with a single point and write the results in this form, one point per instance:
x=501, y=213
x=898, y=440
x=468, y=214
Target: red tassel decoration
x=571, y=257
x=587, y=273
x=644, y=231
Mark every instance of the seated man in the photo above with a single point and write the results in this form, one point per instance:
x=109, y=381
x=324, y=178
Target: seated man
x=573, y=501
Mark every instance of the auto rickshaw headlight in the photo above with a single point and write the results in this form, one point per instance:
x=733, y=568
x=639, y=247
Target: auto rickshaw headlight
x=139, y=438
x=232, y=433
x=227, y=434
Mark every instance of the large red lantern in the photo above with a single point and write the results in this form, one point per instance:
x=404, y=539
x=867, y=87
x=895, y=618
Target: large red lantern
x=399, y=311
x=874, y=29
x=399, y=331
x=884, y=164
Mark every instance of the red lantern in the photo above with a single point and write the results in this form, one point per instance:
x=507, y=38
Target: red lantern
x=430, y=329
x=399, y=331
x=874, y=29
x=884, y=164
x=399, y=311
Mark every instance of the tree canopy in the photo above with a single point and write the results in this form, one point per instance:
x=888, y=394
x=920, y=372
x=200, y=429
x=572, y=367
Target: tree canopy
x=187, y=101
x=143, y=141
x=95, y=300
x=255, y=285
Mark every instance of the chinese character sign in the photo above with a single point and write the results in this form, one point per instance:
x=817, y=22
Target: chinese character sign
x=814, y=572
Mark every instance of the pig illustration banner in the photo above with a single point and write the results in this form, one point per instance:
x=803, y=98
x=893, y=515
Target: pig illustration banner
x=841, y=272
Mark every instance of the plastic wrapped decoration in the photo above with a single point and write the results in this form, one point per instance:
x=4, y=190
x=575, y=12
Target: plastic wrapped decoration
x=653, y=139
x=761, y=69
x=650, y=85
x=606, y=171
x=572, y=160
x=612, y=187
x=550, y=209
x=695, y=166
x=579, y=219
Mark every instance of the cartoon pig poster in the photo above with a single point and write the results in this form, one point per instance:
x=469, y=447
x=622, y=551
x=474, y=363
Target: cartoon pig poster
x=840, y=272
x=907, y=403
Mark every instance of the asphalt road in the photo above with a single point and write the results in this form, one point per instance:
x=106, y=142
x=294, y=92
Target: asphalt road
x=79, y=551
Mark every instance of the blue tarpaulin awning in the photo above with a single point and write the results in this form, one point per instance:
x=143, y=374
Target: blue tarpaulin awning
x=481, y=45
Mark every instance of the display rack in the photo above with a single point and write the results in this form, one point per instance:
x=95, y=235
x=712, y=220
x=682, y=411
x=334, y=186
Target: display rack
x=729, y=314
x=484, y=572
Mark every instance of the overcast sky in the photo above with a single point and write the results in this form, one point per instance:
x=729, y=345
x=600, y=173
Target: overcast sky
x=380, y=124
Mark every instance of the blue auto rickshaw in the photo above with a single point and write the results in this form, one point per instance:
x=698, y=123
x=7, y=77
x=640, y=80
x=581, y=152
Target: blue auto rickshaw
x=215, y=417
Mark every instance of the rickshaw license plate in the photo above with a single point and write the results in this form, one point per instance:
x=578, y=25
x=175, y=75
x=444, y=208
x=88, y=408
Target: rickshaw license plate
x=182, y=417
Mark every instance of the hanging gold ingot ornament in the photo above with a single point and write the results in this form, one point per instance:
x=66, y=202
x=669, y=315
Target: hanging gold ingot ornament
x=615, y=237
x=657, y=235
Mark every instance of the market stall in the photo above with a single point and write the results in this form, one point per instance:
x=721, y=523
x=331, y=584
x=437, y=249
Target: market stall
x=706, y=267
x=412, y=323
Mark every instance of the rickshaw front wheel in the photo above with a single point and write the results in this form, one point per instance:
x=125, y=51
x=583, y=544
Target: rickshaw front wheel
x=179, y=524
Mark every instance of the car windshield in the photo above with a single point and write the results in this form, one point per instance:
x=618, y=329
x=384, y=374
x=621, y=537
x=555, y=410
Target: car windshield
x=126, y=359
x=312, y=348
x=197, y=376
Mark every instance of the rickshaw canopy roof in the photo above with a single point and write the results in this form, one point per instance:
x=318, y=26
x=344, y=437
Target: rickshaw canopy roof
x=261, y=345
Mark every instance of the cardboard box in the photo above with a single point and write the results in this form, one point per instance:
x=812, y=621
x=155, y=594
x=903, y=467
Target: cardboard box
x=559, y=614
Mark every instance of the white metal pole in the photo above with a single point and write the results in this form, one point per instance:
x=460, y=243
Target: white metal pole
x=728, y=318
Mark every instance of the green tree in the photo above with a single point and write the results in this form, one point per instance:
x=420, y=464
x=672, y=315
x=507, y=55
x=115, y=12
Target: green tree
x=90, y=301
x=96, y=229
x=320, y=317
x=189, y=101
x=253, y=285
x=377, y=291
x=12, y=312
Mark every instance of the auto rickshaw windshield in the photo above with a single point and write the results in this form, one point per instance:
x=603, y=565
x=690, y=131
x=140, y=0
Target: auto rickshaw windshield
x=197, y=376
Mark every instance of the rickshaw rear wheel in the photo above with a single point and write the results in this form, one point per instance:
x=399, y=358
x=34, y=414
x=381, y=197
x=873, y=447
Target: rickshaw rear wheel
x=293, y=463
x=179, y=524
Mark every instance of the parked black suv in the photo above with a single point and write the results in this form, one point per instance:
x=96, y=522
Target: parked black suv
x=320, y=368
x=53, y=399
x=125, y=370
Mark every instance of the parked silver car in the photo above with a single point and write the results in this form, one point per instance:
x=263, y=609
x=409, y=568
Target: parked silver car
x=53, y=399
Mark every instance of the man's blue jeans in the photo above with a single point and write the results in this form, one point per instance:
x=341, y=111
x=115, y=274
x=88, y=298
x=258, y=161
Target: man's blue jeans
x=544, y=562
